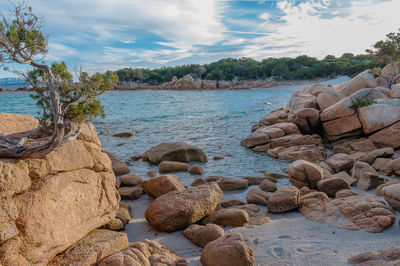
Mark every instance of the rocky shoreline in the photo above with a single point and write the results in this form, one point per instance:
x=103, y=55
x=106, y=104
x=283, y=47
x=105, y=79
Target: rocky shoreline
x=81, y=206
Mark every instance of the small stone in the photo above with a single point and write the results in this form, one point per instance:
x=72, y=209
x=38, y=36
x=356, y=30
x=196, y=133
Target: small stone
x=232, y=184
x=170, y=166
x=228, y=217
x=230, y=203
x=130, y=180
x=198, y=181
x=257, y=196
x=286, y=198
x=161, y=185
x=137, y=156
x=218, y=157
x=151, y=173
x=201, y=235
x=268, y=186
x=196, y=170
x=332, y=185
x=130, y=193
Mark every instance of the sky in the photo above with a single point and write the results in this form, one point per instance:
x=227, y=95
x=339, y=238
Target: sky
x=100, y=35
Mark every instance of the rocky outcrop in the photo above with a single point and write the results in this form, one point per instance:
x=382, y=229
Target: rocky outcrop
x=174, y=151
x=146, y=252
x=179, y=209
x=75, y=181
x=229, y=250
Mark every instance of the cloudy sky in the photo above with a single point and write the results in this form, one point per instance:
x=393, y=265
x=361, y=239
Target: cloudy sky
x=111, y=34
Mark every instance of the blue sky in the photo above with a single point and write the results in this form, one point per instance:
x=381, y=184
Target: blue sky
x=104, y=35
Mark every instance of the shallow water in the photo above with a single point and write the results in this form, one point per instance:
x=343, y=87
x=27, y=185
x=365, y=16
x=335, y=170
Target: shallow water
x=215, y=121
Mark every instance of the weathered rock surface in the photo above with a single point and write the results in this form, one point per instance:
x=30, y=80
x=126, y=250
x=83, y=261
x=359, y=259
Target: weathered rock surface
x=369, y=181
x=387, y=137
x=257, y=196
x=174, y=151
x=97, y=245
x=392, y=195
x=146, y=253
x=118, y=166
x=179, y=209
x=359, y=213
x=229, y=250
x=170, y=166
x=341, y=162
x=74, y=181
x=228, y=217
x=371, y=156
x=303, y=173
x=161, y=185
x=361, y=168
x=361, y=81
x=16, y=123
x=313, y=204
x=232, y=183
x=286, y=198
x=379, y=115
x=201, y=235
x=332, y=185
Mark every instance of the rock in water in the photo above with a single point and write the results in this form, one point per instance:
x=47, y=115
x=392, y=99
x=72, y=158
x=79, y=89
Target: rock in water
x=146, y=253
x=202, y=235
x=118, y=166
x=170, y=166
x=161, y=185
x=125, y=134
x=229, y=250
x=174, y=151
x=179, y=209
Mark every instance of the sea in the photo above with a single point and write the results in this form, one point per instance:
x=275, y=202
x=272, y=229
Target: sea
x=213, y=120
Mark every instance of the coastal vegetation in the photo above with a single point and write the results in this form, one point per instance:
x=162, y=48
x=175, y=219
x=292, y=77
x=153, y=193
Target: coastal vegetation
x=22, y=41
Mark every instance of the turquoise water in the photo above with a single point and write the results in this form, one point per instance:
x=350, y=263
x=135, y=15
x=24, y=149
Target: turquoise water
x=215, y=121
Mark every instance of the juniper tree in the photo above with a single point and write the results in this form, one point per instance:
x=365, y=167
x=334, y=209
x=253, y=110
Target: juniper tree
x=62, y=106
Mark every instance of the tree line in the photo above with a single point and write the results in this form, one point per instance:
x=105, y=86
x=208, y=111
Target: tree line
x=301, y=67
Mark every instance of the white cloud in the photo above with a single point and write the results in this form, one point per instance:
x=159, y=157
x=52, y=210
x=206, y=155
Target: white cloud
x=312, y=28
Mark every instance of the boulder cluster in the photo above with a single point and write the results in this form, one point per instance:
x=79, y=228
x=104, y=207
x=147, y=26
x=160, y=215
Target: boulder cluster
x=337, y=137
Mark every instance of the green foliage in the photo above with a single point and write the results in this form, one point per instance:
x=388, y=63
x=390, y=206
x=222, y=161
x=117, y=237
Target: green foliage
x=387, y=50
x=78, y=101
x=301, y=67
x=361, y=102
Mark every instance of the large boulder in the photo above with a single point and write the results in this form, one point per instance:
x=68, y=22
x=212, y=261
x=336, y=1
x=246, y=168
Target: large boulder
x=285, y=199
x=75, y=181
x=146, y=253
x=361, y=81
x=392, y=195
x=179, y=209
x=201, y=235
x=161, y=185
x=303, y=173
x=174, y=151
x=379, y=115
x=229, y=250
x=387, y=137
x=341, y=162
x=332, y=185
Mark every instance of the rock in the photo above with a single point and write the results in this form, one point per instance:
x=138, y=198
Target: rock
x=198, y=181
x=146, y=252
x=338, y=110
x=214, y=178
x=125, y=134
x=16, y=123
x=130, y=180
x=174, y=151
x=286, y=198
x=371, y=156
x=356, y=213
x=275, y=117
x=275, y=175
x=392, y=195
x=228, y=217
x=342, y=125
x=364, y=145
x=151, y=173
x=366, y=258
x=340, y=162
x=202, y=235
x=118, y=166
x=387, y=137
x=312, y=206
x=249, y=208
x=257, y=196
x=345, y=176
x=115, y=224
x=124, y=205
x=369, y=181
x=124, y=215
x=303, y=173
x=361, y=81
x=332, y=185
x=229, y=250
x=391, y=254
x=97, y=245
x=361, y=168
x=327, y=98
x=196, y=170
x=380, y=163
x=379, y=189
x=232, y=184
x=231, y=202
x=254, y=180
x=161, y=185
x=379, y=115
x=268, y=186
x=255, y=139
x=392, y=167
x=137, y=156
x=387, y=74
x=345, y=193
x=218, y=157
x=395, y=91
x=130, y=193
x=179, y=209
x=170, y=166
